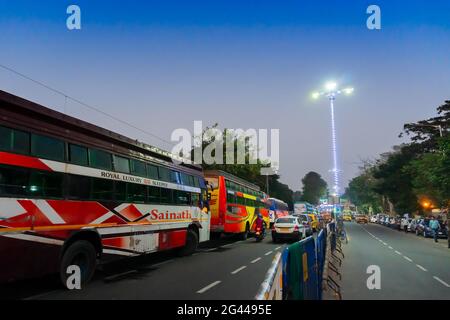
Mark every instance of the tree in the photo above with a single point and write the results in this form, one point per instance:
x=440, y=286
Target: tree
x=314, y=187
x=361, y=192
x=431, y=174
x=396, y=183
x=250, y=170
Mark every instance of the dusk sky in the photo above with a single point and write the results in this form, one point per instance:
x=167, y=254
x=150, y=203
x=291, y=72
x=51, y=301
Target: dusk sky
x=244, y=64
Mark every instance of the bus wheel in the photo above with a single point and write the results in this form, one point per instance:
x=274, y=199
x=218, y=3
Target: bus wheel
x=82, y=254
x=244, y=235
x=191, y=243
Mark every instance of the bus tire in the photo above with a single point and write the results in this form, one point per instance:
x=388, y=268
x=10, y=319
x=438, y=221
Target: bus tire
x=83, y=254
x=244, y=235
x=191, y=243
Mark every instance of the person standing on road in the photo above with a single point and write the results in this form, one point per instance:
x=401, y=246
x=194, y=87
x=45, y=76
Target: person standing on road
x=435, y=226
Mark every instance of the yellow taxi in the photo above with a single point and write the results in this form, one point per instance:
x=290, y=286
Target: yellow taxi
x=347, y=217
x=314, y=222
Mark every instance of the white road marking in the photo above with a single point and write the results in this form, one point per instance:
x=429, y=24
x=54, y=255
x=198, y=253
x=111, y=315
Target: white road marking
x=398, y=252
x=277, y=248
x=421, y=268
x=115, y=276
x=256, y=260
x=384, y=243
x=238, y=269
x=267, y=253
x=391, y=248
x=209, y=286
x=407, y=258
x=442, y=282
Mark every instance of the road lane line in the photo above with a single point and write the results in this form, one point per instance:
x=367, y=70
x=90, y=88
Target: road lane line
x=421, y=268
x=267, y=253
x=391, y=248
x=442, y=281
x=277, y=248
x=256, y=260
x=407, y=258
x=209, y=287
x=238, y=269
x=118, y=275
x=398, y=252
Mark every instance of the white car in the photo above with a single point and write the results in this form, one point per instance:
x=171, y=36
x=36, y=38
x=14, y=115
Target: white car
x=405, y=224
x=373, y=219
x=289, y=228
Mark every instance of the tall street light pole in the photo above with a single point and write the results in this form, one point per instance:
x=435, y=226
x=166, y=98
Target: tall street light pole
x=331, y=92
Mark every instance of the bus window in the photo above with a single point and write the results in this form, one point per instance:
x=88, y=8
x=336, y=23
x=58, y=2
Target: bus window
x=13, y=181
x=166, y=196
x=136, y=193
x=164, y=174
x=21, y=142
x=78, y=155
x=182, y=197
x=5, y=138
x=121, y=164
x=100, y=159
x=138, y=168
x=46, y=184
x=231, y=198
x=102, y=189
x=79, y=187
x=152, y=172
x=120, y=191
x=46, y=147
x=154, y=194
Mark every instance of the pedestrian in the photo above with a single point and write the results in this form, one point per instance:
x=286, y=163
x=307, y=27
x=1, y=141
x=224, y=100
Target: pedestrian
x=435, y=226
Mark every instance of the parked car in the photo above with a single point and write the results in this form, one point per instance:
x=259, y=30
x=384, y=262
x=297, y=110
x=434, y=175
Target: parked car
x=413, y=225
x=395, y=223
x=289, y=228
x=387, y=221
x=361, y=218
x=423, y=228
x=405, y=224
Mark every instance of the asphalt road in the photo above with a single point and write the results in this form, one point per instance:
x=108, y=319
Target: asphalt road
x=411, y=267
x=221, y=269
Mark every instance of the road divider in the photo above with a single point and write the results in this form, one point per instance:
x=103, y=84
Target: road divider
x=298, y=273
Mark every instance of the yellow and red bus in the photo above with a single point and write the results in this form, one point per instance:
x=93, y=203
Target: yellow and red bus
x=74, y=194
x=235, y=203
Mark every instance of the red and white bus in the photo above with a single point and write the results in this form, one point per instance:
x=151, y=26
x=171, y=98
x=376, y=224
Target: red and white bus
x=72, y=193
x=235, y=204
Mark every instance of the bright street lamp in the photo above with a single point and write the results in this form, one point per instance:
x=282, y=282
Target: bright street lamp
x=331, y=91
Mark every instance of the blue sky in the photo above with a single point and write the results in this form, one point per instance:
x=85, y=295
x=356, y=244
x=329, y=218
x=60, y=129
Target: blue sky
x=244, y=64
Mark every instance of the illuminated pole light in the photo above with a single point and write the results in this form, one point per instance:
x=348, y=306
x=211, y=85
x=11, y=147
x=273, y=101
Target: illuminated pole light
x=331, y=92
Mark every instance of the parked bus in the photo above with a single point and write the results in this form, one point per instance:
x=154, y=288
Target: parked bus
x=277, y=209
x=72, y=193
x=235, y=204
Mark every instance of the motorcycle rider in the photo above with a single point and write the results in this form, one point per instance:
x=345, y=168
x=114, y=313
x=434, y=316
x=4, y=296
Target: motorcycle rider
x=260, y=222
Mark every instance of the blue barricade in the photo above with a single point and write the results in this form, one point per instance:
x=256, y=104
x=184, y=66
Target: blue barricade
x=321, y=248
x=300, y=271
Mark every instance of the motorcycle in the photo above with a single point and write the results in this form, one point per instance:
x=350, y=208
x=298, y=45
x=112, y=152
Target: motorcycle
x=259, y=234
